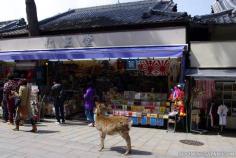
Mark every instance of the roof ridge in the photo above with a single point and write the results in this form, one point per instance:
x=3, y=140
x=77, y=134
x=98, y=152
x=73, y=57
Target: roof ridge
x=9, y=21
x=168, y=12
x=213, y=14
x=117, y=5
x=55, y=17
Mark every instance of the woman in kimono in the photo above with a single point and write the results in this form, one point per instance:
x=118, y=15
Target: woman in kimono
x=24, y=111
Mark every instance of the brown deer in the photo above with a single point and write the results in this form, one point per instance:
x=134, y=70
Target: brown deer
x=110, y=125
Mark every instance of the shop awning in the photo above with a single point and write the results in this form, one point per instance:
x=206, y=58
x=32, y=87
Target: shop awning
x=212, y=74
x=95, y=53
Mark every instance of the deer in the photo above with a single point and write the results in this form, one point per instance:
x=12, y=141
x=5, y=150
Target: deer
x=111, y=125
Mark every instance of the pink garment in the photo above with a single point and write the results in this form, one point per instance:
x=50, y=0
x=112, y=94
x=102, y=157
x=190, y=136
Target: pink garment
x=208, y=87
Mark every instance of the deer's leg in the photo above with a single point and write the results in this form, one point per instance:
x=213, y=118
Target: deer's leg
x=102, y=138
x=126, y=136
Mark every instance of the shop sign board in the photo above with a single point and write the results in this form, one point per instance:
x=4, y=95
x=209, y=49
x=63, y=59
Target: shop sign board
x=157, y=36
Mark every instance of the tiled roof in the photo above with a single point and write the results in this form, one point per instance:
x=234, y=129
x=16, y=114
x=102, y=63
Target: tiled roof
x=224, y=17
x=13, y=27
x=223, y=5
x=122, y=14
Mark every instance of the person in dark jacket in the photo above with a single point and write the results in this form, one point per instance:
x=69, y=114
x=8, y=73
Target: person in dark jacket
x=58, y=99
x=3, y=98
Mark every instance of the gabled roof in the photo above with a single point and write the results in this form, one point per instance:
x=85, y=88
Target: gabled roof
x=223, y=5
x=224, y=17
x=13, y=27
x=122, y=14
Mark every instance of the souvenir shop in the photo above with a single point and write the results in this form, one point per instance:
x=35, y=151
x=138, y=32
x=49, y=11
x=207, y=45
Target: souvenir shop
x=212, y=79
x=213, y=100
x=135, y=81
x=133, y=70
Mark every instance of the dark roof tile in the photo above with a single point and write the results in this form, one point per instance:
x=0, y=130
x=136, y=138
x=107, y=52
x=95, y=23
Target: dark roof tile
x=132, y=13
x=224, y=17
x=10, y=25
x=13, y=27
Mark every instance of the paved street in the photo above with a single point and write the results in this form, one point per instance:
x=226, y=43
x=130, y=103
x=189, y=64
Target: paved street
x=75, y=140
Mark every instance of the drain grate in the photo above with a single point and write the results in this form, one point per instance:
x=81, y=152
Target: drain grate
x=192, y=142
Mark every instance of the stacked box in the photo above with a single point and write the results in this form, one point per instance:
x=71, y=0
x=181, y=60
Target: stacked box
x=135, y=121
x=144, y=120
x=153, y=121
x=160, y=122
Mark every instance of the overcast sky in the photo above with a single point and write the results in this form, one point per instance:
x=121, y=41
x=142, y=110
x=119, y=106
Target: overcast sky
x=15, y=9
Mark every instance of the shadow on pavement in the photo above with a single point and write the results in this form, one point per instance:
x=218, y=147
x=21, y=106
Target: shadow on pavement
x=46, y=131
x=29, y=125
x=122, y=149
x=70, y=123
x=225, y=133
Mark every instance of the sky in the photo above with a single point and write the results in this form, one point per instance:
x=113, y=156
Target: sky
x=15, y=9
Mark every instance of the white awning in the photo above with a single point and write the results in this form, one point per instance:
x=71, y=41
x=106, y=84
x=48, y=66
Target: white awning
x=212, y=74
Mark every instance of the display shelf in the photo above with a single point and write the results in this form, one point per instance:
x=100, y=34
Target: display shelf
x=226, y=93
x=143, y=108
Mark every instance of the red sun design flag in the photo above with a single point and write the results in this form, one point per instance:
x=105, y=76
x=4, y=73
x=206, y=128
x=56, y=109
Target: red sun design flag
x=154, y=67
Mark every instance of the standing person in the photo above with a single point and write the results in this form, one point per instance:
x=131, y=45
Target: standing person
x=4, y=104
x=24, y=110
x=58, y=99
x=9, y=86
x=89, y=104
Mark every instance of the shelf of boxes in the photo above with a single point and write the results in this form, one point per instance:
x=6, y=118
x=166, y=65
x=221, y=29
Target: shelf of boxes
x=143, y=108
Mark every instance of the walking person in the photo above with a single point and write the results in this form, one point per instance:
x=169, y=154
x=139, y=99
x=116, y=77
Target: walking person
x=89, y=104
x=58, y=95
x=24, y=110
x=8, y=97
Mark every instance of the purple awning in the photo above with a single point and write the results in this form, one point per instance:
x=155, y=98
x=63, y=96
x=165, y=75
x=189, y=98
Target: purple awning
x=95, y=53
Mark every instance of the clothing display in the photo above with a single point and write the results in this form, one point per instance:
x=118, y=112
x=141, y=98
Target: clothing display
x=213, y=114
x=222, y=112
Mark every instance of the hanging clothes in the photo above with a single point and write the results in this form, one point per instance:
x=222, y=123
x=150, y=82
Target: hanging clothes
x=222, y=112
x=213, y=114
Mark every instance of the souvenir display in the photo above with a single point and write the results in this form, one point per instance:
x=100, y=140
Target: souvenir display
x=154, y=67
x=177, y=97
x=145, y=108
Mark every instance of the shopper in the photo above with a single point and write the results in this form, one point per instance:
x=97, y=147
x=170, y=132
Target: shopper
x=89, y=104
x=4, y=104
x=10, y=86
x=24, y=110
x=58, y=95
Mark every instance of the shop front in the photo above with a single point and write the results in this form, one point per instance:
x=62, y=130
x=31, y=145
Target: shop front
x=212, y=78
x=133, y=75
x=135, y=81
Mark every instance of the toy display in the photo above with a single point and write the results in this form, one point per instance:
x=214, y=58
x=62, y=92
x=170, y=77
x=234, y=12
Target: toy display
x=177, y=97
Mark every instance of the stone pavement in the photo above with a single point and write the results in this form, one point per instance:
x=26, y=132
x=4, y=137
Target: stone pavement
x=77, y=140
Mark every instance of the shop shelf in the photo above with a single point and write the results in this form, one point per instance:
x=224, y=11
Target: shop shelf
x=135, y=121
x=153, y=121
x=144, y=120
x=160, y=122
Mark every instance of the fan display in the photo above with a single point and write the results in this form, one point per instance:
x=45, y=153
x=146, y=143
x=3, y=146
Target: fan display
x=154, y=67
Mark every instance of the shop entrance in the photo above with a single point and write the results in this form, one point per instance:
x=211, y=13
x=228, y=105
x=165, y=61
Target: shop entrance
x=137, y=88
